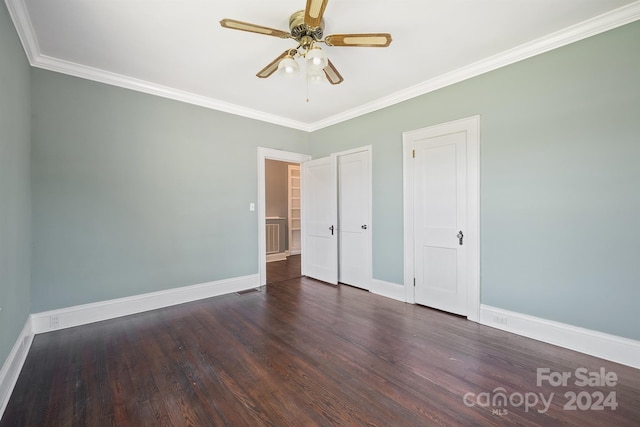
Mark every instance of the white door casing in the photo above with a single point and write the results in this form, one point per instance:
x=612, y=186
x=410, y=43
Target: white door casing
x=441, y=199
x=319, y=219
x=263, y=155
x=354, y=217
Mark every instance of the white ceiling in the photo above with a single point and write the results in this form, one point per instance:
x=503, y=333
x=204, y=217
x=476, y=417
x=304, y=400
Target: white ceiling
x=177, y=49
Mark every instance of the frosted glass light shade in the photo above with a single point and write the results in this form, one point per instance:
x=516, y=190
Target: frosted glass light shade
x=315, y=76
x=316, y=59
x=288, y=67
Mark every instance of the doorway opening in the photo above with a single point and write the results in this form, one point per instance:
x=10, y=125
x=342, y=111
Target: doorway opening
x=282, y=220
x=264, y=155
x=319, y=228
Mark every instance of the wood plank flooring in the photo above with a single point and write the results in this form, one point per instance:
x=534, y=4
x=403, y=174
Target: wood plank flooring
x=279, y=271
x=302, y=353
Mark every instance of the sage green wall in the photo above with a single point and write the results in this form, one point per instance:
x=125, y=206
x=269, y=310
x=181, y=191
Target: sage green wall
x=15, y=186
x=560, y=182
x=134, y=193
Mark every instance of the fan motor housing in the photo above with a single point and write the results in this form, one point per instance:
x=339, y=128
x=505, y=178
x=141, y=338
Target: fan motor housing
x=299, y=29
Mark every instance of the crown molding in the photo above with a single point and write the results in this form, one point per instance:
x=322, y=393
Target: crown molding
x=21, y=20
x=27, y=35
x=599, y=24
x=114, y=79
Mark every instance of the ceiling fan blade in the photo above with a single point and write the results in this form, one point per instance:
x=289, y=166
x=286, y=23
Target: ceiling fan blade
x=313, y=12
x=253, y=28
x=359, y=40
x=272, y=67
x=332, y=74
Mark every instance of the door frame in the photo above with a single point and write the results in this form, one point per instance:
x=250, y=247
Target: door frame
x=472, y=235
x=369, y=150
x=265, y=154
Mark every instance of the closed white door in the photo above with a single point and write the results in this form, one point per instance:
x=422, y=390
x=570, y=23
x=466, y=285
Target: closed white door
x=319, y=219
x=440, y=222
x=354, y=224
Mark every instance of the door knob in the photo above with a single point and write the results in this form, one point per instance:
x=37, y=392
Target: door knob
x=460, y=236
x=331, y=228
x=364, y=227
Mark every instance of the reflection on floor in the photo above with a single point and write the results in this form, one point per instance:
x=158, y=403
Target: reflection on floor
x=278, y=271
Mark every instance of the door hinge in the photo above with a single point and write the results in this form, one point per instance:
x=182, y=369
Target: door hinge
x=414, y=154
x=414, y=281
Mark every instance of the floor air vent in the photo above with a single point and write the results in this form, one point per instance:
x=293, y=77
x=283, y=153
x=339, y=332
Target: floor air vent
x=248, y=291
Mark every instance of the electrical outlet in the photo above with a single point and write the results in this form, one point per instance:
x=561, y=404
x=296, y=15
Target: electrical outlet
x=54, y=321
x=500, y=319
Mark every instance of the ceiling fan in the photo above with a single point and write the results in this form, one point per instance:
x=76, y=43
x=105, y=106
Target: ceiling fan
x=307, y=28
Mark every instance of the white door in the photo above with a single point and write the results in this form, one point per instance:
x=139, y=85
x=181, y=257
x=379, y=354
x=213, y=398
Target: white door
x=440, y=223
x=354, y=224
x=319, y=220
x=442, y=217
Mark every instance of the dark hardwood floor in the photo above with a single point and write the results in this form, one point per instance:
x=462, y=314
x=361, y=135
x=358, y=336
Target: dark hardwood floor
x=279, y=271
x=302, y=353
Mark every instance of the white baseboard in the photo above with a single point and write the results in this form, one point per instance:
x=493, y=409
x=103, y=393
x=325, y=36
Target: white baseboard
x=95, y=312
x=13, y=365
x=610, y=347
x=598, y=344
x=88, y=313
x=280, y=256
x=387, y=289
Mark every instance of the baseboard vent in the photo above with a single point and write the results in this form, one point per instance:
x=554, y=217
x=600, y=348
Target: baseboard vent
x=248, y=291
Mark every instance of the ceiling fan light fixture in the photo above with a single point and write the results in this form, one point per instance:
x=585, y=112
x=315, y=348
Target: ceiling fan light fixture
x=307, y=29
x=288, y=67
x=315, y=76
x=316, y=59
